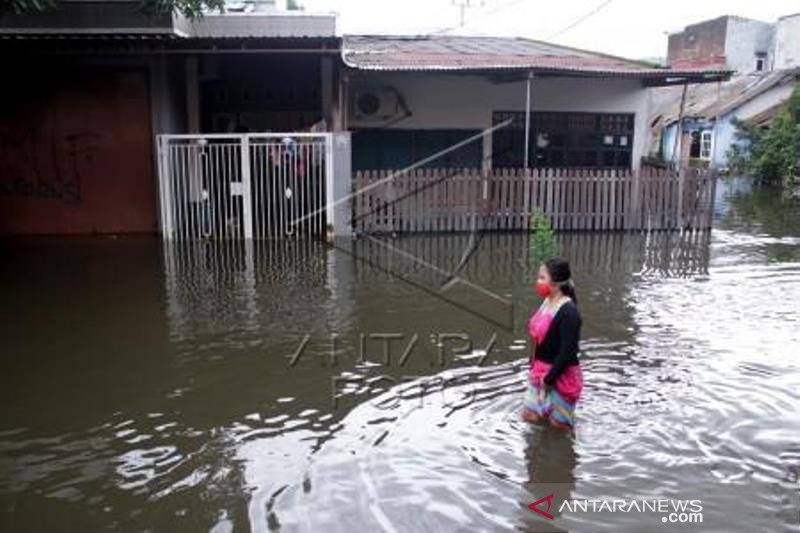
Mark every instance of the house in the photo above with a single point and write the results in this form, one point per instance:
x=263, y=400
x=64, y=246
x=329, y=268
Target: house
x=94, y=83
x=766, y=60
x=744, y=45
x=455, y=132
x=238, y=124
x=708, y=126
x=409, y=97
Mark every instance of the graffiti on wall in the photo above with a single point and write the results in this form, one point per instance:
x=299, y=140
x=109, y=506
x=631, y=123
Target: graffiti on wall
x=45, y=166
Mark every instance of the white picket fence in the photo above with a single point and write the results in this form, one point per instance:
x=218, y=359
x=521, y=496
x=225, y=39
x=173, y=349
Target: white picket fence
x=434, y=200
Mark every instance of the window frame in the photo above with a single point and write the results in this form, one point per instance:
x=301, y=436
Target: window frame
x=564, y=139
x=706, y=136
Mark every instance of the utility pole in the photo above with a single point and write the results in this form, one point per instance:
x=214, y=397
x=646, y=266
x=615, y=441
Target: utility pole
x=463, y=5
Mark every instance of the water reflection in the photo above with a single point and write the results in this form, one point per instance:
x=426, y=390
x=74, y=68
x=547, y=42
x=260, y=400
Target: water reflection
x=145, y=387
x=551, y=462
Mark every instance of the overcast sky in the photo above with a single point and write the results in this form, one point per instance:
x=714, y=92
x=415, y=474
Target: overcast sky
x=630, y=28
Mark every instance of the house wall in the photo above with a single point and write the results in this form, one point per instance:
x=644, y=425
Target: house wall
x=787, y=42
x=77, y=150
x=454, y=101
x=744, y=39
x=724, y=137
x=667, y=147
x=725, y=134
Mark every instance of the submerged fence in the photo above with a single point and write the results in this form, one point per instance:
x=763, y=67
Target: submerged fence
x=235, y=186
x=433, y=200
x=298, y=185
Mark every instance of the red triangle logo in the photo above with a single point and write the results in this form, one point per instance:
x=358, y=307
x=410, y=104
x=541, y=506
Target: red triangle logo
x=549, y=500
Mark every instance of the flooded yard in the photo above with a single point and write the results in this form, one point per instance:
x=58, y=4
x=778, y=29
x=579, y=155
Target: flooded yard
x=221, y=388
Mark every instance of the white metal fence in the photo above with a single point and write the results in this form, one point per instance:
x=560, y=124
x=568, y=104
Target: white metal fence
x=244, y=186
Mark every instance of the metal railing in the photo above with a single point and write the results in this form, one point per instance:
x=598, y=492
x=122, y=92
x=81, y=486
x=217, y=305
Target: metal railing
x=244, y=186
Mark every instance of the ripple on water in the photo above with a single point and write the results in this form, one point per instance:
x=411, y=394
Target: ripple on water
x=692, y=390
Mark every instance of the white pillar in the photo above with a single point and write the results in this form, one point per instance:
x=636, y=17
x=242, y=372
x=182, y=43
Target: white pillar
x=338, y=184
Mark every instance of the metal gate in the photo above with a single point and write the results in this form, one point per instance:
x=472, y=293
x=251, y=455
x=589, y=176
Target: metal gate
x=244, y=186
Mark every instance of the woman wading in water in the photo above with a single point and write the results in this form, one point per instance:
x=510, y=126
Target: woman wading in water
x=555, y=380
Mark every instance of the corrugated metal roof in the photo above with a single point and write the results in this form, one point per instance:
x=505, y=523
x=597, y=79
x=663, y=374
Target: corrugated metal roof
x=453, y=53
x=705, y=102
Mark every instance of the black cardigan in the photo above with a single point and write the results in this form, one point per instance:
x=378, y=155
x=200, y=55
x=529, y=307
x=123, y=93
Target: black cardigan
x=560, y=344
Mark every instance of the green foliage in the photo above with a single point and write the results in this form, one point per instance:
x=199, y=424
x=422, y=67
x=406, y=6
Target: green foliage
x=18, y=7
x=542, y=244
x=294, y=5
x=771, y=155
x=189, y=8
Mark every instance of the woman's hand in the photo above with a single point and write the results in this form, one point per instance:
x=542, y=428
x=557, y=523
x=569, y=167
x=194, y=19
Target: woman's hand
x=542, y=385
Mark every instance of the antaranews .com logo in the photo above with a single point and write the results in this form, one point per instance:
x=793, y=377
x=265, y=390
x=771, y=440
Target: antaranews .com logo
x=670, y=511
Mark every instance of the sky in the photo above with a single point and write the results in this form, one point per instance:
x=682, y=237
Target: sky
x=629, y=28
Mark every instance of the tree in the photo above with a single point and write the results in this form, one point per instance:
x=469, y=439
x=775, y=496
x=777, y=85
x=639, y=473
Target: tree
x=189, y=8
x=772, y=155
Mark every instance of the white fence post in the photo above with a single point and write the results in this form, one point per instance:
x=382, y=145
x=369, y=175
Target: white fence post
x=247, y=197
x=165, y=188
x=338, y=182
x=329, y=185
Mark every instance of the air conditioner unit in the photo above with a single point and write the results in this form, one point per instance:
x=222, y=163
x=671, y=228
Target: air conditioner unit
x=377, y=104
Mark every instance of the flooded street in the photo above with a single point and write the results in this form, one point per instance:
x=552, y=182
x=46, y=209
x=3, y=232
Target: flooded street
x=227, y=388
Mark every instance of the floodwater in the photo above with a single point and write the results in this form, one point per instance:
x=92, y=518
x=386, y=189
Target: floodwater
x=224, y=388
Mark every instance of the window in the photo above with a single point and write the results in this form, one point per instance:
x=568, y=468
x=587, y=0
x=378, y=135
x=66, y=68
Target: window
x=760, y=61
x=705, y=145
x=392, y=149
x=694, y=145
x=559, y=139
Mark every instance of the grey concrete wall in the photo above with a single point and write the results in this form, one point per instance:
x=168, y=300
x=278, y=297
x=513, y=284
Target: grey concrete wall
x=744, y=39
x=787, y=42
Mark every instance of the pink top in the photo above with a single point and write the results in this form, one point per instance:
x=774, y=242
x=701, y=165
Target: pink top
x=540, y=321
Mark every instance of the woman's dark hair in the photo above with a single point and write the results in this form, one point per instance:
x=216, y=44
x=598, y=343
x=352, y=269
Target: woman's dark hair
x=561, y=274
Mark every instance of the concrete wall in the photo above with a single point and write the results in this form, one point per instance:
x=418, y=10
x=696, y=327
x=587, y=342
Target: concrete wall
x=667, y=146
x=698, y=44
x=731, y=41
x=787, y=42
x=744, y=39
x=453, y=101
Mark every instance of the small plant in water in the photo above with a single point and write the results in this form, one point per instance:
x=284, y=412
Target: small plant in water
x=542, y=242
